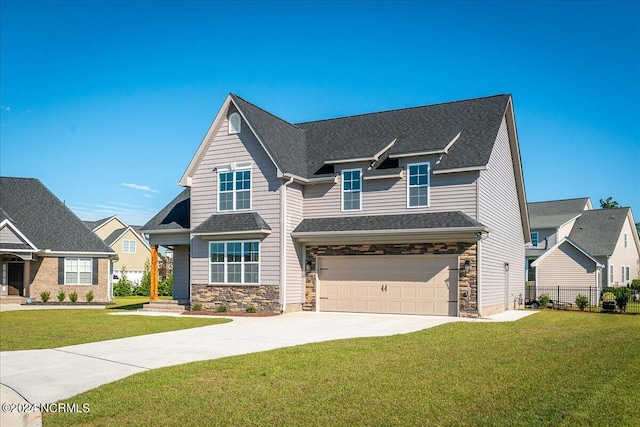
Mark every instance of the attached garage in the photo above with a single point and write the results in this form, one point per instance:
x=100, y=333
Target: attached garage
x=402, y=284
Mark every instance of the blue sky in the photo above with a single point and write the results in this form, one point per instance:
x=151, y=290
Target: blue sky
x=106, y=102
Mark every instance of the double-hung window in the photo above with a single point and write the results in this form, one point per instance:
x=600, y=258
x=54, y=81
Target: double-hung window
x=129, y=246
x=626, y=240
x=611, y=275
x=234, y=262
x=418, y=185
x=351, y=189
x=534, y=238
x=627, y=271
x=77, y=271
x=234, y=190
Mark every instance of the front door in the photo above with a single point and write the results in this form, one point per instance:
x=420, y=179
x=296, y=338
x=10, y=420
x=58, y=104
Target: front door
x=15, y=278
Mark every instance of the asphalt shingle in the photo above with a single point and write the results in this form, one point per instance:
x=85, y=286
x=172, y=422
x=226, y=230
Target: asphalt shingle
x=232, y=222
x=597, y=231
x=174, y=216
x=554, y=213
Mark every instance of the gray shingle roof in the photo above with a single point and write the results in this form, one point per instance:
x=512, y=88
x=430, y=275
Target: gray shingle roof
x=44, y=219
x=554, y=213
x=303, y=148
x=232, y=222
x=597, y=231
x=435, y=220
x=175, y=216
x=111, y=238
x=94, y=224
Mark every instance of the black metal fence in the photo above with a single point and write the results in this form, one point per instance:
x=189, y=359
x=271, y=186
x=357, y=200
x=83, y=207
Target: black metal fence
x=572, y=297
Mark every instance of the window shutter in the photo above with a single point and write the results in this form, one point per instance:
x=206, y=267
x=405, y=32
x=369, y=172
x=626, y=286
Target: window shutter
x=94, y=272
x=61, y=271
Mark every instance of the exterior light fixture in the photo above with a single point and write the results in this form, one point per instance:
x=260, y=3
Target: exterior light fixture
x=506, y=266
x=466, y=267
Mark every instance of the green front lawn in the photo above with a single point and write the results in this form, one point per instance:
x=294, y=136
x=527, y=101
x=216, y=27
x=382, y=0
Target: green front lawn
x=549, y=369
x=33, y=329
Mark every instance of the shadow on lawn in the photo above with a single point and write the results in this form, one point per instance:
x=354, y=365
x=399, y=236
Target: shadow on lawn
x=136, y=306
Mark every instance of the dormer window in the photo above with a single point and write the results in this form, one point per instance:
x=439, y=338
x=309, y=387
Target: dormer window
x=234, y=123
x=418, y=185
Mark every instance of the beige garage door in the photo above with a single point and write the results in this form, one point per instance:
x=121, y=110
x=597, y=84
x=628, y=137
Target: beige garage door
x=389, y=284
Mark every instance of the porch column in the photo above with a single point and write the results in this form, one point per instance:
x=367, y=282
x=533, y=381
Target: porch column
x=26, y=281
x=154, y=273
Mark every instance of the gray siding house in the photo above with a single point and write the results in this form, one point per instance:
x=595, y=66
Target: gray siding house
x=419, y=211
x=574, y=245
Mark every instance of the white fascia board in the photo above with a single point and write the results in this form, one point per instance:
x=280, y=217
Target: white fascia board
x=182, y=231
x=302, y=180
x=444, y=150
x=393, y=232
x=47, y=252
x=7, y=223
x=385, y=149
x=357, y=159
x=454, y=170
x=567, y=222
x=235, y=233
x=108, y=221
x=632, y=223
x=135, y=234
x=572, y=243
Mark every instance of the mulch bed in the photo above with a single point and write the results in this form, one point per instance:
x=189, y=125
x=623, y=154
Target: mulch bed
x=231, y=313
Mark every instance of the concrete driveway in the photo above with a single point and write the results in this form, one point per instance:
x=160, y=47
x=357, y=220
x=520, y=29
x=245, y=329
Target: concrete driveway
x=46, y=376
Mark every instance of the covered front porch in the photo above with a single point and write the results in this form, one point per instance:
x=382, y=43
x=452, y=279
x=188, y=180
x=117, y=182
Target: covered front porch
x=16, y=274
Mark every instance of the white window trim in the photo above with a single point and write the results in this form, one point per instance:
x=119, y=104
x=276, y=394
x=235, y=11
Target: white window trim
x=242, y=263
x=627, y=277
x=536, y=239
x=78, y=283
x=233, y=130
x=233, y=169
x=342, y=190
x=626, y=240
x=128, y=249
x=611, y=274
x=428, y=185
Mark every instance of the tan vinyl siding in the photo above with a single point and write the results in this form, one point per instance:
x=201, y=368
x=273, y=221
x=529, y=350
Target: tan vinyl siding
x=566, y=266
x=181, y=272
x=500, y=211
x=8, y=236
x=625, y=257
x=224, y=149
x=295, y=283
x=448, y=192
x=109, y=227
x=132, y=261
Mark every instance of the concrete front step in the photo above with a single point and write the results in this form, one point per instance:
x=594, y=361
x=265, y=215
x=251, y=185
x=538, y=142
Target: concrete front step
x=12, y=299
x=166, y=306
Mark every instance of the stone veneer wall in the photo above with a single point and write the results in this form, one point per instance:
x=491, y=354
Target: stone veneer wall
x=468, y=306
x=44, y=277
x=237, y=298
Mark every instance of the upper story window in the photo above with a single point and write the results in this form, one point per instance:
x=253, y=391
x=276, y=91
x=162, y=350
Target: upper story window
x=235, y=123
x=351, y=189
x=611, y=275
x=534, y=238
x=129, y=246
x=77, y=271
x=626, y=240
x=234, y=190
x=418, y=185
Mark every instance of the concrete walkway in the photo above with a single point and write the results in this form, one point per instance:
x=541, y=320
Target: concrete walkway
x=46, y=376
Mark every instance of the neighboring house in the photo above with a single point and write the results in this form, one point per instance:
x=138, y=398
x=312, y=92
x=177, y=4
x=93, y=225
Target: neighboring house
x=127, y=242
x=45, y=247
x=419, y=210
x=581, y=247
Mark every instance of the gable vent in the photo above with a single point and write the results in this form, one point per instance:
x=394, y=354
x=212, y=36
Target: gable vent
x=234, y=123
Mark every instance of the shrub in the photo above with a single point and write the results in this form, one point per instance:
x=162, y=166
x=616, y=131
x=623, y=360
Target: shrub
x=623, y=295
x=73, y=296
x=251, y=309
x=61, y=295
x=608, y=296
x=582, y=301
x=122, y=288
x=196, y=307
x=45, y=295
x=165, y=288
x=144, y=288
x=89, y=297
x=544, y=300
x=221, y=308
x=635, y=284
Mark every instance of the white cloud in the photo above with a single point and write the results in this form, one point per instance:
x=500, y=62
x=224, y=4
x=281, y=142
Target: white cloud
x=5, y=107
x=140, y=187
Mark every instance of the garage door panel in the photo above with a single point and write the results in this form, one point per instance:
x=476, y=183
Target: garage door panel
x=389, y=284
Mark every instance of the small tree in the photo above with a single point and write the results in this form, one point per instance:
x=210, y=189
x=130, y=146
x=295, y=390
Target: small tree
x=144, y=288
x=582, y=301
x=544, y=300
x=165, y=288
x=122, y=288
x=609, y=203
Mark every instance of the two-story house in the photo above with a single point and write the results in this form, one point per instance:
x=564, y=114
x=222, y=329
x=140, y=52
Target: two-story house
x=44, y=247
x=574, y=245
x=419, y=210
x=126, y=241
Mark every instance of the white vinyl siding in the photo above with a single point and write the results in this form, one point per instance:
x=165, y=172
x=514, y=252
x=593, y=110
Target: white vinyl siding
x=129, y=246
x=418, y=185
x=500, y=211
x=351, y=189
x=626, y=240
x=234, y=262
x=295, y=289
x=225, y=149
x=77, y=271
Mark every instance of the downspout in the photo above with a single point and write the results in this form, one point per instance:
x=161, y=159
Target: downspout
x=283, y=244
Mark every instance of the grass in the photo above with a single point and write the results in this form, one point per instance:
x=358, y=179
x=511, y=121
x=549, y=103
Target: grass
x=549, y=369
x=36, y=329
